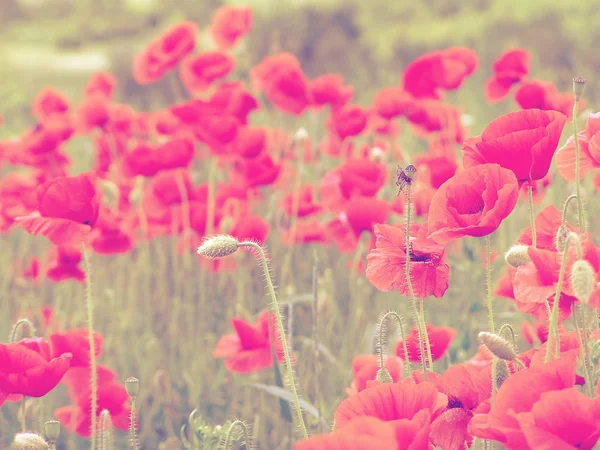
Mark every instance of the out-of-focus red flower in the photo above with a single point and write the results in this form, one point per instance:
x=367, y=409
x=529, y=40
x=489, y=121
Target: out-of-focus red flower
x=544, y=95
x=32, y=270
x=589, y=151
x=392, y=102
x=365, y=368
x=437, y=168
x=305, y=232
x=250, y=228
x=510, y=68
x=63, y=264
x=535, y=332
x=147, y=161
x=440, y=339
x=250, y=142
x=519, y=394
x=198, y=72
x=102, y=83
x=27, y=369
x=234, y=99
x=348, y=121
x=386, y=264
x=17, y=196
x=248, y=350
x=229, y=24
x=254, y=172
x=330, y=90
x=163, y=53
x=93, y=112
x=305, y=205
x=472, y=203
x=76, y=342
x=282, y=81
x=49, y=101
x=67, y=210
x=522, y=141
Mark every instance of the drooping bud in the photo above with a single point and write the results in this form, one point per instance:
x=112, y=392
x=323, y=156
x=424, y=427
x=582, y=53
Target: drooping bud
x=499, y=346
x=561, y=237
x=132, y=386
x=582, y=280
x=52, y=430
x=29, y=441
x=502, y=372
x=219, y=246
x=517, y=256
x=578, y=87
x=384, y=376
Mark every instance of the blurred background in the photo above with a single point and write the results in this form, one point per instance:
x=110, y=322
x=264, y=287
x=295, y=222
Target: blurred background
x=62, y=42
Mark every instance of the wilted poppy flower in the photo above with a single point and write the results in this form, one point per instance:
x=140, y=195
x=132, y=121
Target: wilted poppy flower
x=249, y=350
x=330, y=89
x=510, y=68
x=76, y=342
x=229, y=24
x=472, y=203
x=198, y=72
x=589, y=151
x=26, y=368
x=48, y=102
x=522, y=141
x=282, y=81
x=67, y=210
x=440, y=339
x=365, y=368
x=386, y=264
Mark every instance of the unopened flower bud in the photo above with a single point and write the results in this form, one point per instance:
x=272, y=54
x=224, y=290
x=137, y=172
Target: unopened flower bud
x=377, y=154
x=29, y=441
x=219, y=246
x=52, y=429
x=132, y=386
x=384, y=376
x=578, y=87
x=301, y=135
x=502, y=372
x=561, y=237
x=517, y=256
x=582, y=280
x=499, y=346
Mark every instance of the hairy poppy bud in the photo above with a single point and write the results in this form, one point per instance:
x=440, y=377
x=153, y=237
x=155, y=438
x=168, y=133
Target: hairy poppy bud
x=219, y=246
x=132, y=386
x=301, y=135
x=384, y=376
x=582, y=280
x=517, y=256
x=29, y=441
x=561, y=237
x=52, y=430
x=499, y=346
x=502, y=373
x=578, y=87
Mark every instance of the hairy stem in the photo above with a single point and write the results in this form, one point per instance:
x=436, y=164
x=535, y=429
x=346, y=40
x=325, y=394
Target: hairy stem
x=382, y=344
x=580, y=213
x=90, y=324
x=531, y=215
x=20, y=324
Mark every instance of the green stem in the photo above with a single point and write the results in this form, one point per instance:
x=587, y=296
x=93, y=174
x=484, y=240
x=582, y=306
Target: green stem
x=19, y=324
x=210, y=206
x=382, y=347
x=229, y=437
x=580, y=212
x=132, y=433
x=589, y=382
x=553, y=320
x=90, y=323
x=531, y=215
x=566, y=207
x=286, y=353
x=425, y=334
x=488, y=281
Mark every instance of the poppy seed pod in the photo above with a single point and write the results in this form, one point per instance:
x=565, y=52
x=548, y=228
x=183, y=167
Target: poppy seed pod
x=29, y=441
x=561, y=237
x=578, y=87
x=384, y=376
x=499, y=346
x=517, y=256
x=52, y=430
x=219, y=246
x=582, y=280
x=132, y=386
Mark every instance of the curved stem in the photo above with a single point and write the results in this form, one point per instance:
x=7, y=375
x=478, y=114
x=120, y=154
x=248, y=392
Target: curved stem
x=519, y=363
x=382, y=341
x=90, y=319
x=286, y=353
x=531, y=215
x=566, y=207
x=580, y=213
x=229, y=437
x=20, y=323
x=509, y=327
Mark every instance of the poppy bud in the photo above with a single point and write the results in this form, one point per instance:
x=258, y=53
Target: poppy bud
x=377, y=154
x=301, y=135
x=582, y=280
x=52, y=429
x=219, y=246
x=132, y=386
x=561, y=237
x=384, y=376
x=29, y=441
x=499, y=346
x=578, y=87
x=517, y=256
x=502, y=373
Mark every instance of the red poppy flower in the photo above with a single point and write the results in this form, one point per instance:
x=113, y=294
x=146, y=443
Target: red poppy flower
x=144, y=160
x=305, y=232
x=392, y=102
x=522, y=141
x=250, y=228
x=63, y=265
x=535, y=332
x=365, y=368
x=254, y=172
x=438, y=168
x=330, y=90
x=282, y=81
x=163, y=53
x=48, y=102
x=198, y=72
x=386, y=263
x=472, y=203
x=440, y=339
x=250, y=142
x=68, y=208
x=589, y=151
x=102, y=83
x=306, y=205
x=519, y=394
x=93, y=112
x=547, y=223
x=234, y=99
x=76, y=342
x=229, y=24
x=27, y=369
x=510, y=68
x=392, y=402
x=249, y=350
x=348, y=121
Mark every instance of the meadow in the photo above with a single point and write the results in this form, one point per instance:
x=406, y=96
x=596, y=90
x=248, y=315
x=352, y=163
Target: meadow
x=224, y=245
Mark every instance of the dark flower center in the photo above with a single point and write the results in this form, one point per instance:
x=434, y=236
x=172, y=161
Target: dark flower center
x=454, y=402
